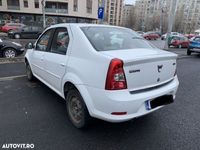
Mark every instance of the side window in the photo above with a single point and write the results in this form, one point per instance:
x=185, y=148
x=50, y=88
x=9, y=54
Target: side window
x=60, y=41
x=36, y=29
x=43, y=41
x=197, y=39
x=26, y=28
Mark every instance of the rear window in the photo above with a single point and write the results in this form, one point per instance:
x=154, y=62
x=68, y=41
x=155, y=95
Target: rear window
x=111, y=38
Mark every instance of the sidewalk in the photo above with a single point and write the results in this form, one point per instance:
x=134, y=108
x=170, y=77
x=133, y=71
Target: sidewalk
x=2, y=34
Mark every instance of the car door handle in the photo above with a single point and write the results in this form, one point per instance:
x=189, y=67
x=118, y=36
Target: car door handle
x=41, y=58
x=62, y=64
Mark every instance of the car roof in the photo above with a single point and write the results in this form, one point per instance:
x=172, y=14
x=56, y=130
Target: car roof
x=82, y=25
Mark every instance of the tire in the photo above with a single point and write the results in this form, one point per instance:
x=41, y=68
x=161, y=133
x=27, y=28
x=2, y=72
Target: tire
x=9, y=53
x=76, y=109
x=29, y=73
x=17, y=36
x=188, y=52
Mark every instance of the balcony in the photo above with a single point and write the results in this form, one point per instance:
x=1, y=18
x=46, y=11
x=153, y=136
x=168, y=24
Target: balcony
x=53, y=10
x=13, y=4
x=56, y=7
x=13, y=7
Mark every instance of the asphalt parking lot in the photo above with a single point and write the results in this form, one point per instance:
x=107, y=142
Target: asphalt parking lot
x=31, y=113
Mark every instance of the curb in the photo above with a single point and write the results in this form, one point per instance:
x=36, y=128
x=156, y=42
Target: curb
x=11, y=60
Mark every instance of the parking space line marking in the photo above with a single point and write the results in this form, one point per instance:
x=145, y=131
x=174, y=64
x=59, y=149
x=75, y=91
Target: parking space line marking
x=11, y=62
x=11, y=77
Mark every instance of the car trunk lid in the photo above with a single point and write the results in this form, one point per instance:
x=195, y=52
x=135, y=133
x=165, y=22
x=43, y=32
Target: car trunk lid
x=145, y=68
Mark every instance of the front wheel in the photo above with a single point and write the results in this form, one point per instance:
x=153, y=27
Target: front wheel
x=76, y=109
x=9, y=53
x=29, y=73
x=188, y=52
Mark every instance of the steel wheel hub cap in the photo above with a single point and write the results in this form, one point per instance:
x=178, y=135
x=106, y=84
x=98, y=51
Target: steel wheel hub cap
x=75, y=109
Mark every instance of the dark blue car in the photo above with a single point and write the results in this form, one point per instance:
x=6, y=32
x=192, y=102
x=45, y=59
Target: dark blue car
x=194, y=45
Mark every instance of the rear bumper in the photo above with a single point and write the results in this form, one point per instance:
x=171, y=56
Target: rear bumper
x=102, y=103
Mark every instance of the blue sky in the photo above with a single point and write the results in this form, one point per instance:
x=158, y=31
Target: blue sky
x=130, y=1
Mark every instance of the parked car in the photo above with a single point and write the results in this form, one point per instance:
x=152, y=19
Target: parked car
x=151, y=36
x=179, y=42
x=141, y=33
x=11, y=26
x=107, y=72
x=10, y=49
x=158, y=33
x=26, y=32
x=189, y=36
x=194, y=46
x=1, y=25
x=164, y=36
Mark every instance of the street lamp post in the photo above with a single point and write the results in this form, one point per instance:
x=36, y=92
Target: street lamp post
x=170, y=21
x=43, y=2
x=161, y=16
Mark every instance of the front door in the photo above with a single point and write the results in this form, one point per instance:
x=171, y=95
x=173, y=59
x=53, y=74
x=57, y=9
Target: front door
x=38, y=54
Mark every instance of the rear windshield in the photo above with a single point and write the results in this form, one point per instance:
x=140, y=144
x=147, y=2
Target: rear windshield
x=113, y=38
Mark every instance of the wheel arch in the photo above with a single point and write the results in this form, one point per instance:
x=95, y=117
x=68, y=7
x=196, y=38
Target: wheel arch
x=71, y=83
x=5, y=48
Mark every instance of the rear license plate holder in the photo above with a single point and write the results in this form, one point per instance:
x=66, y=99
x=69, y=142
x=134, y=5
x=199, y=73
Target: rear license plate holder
x=160, y=101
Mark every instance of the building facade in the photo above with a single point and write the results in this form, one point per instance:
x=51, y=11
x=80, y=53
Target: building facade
x=148, y=13
x=128, y=12
x=113, y=10
x=191, y=15
x=57, y=11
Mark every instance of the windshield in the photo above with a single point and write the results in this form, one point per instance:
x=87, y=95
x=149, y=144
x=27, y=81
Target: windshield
x=111, y=38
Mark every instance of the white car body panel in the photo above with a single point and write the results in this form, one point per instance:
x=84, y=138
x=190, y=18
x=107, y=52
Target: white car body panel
x=87, y=69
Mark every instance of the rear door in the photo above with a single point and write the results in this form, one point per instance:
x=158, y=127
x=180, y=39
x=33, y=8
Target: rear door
x=35, y=32
x=185, y=42
x=37, y=57
x=26, y=32
x=56, y=58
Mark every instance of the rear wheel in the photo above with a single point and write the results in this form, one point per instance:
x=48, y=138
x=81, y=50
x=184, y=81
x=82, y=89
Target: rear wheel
x=188, y=52
x=76, y=109
x=9, y=53
x=17, y=36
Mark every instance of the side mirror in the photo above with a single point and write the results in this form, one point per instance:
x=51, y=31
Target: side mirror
x=29, y=45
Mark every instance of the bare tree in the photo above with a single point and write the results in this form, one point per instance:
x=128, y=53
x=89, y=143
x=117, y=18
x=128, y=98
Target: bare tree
x=178, y=22
x=130, y=20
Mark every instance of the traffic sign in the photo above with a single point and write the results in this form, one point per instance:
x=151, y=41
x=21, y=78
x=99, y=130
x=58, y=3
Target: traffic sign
x=101, y=12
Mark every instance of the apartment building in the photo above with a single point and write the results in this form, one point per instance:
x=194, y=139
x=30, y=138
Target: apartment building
x=128, y=11
x=148, y=12
x=57, y=11
x=113, y=11
x=191, y=15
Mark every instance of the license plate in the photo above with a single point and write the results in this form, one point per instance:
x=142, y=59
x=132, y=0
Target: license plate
x=160, y=101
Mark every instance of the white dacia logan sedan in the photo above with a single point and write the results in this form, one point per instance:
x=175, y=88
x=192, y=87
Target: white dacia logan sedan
x=106, y=72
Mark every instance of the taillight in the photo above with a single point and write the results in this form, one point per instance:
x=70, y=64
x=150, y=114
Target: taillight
x=116, y=79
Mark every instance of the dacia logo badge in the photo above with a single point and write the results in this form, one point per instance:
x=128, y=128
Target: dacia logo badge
x=159, y=68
